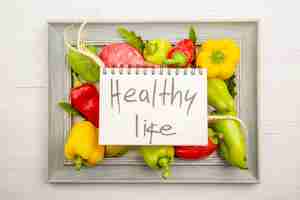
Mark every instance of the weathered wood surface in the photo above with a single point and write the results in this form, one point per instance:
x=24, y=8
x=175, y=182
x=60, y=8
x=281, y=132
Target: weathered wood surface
x=24, y=103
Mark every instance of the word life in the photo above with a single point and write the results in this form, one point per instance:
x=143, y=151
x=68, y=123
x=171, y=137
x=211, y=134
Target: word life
x=151, y=128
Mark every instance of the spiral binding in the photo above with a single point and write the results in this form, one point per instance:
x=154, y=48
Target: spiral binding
x=151, y=71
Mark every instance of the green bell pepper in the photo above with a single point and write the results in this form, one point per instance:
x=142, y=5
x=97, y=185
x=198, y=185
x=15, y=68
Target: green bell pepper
x=158, y=157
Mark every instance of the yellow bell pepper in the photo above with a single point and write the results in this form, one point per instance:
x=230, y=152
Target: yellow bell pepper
x=82, y=145
x=219, y=57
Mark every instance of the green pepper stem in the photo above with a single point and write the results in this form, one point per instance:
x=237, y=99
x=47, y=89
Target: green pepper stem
x=221, y=137
x=178, y=58
x=77, y=81
x=78, y=163
x=164, y=164
x=151, y=48
x=213, y=118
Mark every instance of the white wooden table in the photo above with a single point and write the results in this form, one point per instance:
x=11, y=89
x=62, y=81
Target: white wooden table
x=24, y=111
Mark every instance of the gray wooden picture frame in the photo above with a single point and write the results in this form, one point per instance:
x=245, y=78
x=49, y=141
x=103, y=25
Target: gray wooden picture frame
x=131, y=169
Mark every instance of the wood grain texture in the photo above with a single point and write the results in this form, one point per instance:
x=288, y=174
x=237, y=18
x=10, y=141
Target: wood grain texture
x=131, y=169
x=24, y=103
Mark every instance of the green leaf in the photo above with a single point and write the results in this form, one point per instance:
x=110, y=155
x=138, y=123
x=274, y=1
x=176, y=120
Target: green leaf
x=69, y=109
x=131, y=38
x=231, y=85
x=86, y=68
x=192, y=34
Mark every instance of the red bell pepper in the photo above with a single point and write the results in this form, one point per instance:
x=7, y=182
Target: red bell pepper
x=198, y=152
x=85, y=99
x=182, y=54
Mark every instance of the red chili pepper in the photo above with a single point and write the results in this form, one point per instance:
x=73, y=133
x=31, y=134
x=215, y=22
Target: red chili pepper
x=85, y=99
x=197, y=152
x=182, y=54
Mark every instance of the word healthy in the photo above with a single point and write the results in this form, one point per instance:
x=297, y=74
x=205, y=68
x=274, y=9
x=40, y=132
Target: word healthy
x=167, y=96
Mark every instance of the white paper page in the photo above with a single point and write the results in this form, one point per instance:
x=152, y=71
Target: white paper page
x=153, y=109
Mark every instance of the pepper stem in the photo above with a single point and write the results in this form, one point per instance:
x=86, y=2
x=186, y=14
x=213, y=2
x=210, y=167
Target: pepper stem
x=77, y=82
x=213, y=136
x=78, y=163
x=217, y=57
x=151, y=48
x=164, y=164
x=213, y=118
x=178, y=58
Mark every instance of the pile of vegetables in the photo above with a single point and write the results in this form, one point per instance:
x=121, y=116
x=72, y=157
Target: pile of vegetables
x=219, y=56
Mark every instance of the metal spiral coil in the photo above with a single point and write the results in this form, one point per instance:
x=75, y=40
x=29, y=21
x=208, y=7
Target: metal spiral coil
x=120, y=70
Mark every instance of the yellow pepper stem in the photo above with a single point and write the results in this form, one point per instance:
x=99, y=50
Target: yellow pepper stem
x=78, y=162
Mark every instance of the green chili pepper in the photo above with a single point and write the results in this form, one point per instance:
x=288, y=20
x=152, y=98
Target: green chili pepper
x=156, y=50
x=219, y=97
x=158, y=157
x=232, y=142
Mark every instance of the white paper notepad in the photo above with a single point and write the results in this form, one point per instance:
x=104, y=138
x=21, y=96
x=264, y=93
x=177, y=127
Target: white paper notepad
x=153, y=107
